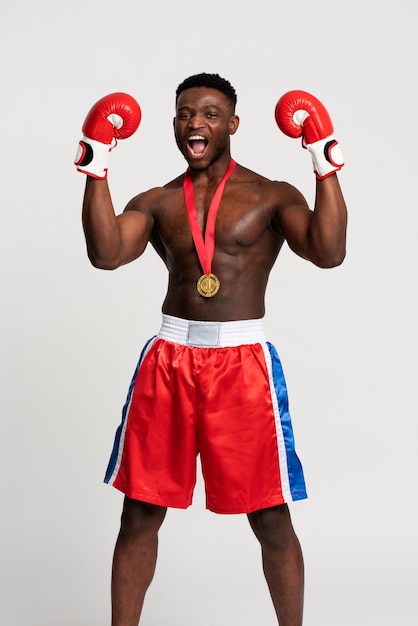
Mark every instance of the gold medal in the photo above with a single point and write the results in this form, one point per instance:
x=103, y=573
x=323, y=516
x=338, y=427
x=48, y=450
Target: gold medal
x=208, y=285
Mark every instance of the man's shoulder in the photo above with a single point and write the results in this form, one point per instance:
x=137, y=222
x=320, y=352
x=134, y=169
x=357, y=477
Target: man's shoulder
x=262, y=183
x=151, y=199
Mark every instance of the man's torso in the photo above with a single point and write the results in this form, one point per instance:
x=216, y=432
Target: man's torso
x=247, y=242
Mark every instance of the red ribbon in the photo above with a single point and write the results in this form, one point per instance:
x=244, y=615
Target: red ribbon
x=205, y=248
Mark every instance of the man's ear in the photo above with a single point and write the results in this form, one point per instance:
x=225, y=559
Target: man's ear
x=233, y=124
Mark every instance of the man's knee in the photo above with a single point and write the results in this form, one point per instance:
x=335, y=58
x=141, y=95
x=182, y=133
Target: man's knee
x=141, y=519
x=273, y=526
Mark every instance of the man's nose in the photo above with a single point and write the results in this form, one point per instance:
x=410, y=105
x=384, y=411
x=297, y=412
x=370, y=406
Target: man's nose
x=197, y=121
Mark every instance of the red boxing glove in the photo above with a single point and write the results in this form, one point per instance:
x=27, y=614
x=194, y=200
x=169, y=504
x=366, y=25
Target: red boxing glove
x=116, y=116
x=299, y=114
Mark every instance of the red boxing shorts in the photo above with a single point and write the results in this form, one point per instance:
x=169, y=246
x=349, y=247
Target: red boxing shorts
x=214, y=389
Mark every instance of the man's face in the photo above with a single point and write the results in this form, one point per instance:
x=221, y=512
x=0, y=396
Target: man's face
x=204, y=121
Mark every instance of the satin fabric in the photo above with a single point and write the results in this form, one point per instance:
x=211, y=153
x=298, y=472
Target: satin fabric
x=229, y=405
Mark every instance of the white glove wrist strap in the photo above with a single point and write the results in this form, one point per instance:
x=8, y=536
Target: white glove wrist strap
x=91, y=157
x=326, y=156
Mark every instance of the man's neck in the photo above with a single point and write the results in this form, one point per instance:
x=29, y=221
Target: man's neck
x=213, y=173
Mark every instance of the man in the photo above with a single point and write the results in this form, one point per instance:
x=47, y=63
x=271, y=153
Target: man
x=209, y=382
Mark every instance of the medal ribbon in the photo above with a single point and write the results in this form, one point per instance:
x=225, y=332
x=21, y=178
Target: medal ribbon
x=205, y=248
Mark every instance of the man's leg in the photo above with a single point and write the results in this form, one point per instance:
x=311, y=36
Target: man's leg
x=282, y=562
x=134, y=560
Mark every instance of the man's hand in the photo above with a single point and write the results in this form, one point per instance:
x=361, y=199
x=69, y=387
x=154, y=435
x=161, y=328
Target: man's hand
x=299, y=114
x=116, y=116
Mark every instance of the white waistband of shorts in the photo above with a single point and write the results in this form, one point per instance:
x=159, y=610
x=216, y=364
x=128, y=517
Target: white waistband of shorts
x=211, y=334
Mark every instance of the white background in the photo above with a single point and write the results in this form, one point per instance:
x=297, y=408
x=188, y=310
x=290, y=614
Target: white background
x=71, y=334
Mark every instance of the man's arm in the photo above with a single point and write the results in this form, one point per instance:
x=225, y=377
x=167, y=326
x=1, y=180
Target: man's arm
x=320, y=235
x=113, y=240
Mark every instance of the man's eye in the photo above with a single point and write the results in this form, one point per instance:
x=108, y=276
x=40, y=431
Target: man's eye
x=211, y=115
x=183, y=116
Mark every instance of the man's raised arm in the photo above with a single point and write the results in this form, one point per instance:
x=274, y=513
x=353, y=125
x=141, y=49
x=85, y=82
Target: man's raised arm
x=319, y=236
x=111, y=240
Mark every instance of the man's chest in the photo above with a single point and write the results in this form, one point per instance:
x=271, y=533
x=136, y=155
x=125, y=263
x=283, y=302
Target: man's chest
x=239, y=222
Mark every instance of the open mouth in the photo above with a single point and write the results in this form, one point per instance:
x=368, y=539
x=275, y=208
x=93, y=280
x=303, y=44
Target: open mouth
x=197, y=145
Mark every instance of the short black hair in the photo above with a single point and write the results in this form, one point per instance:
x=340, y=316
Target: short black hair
x=212, y=81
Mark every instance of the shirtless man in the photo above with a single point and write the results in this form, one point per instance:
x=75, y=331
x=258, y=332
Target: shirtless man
x=209, y=383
